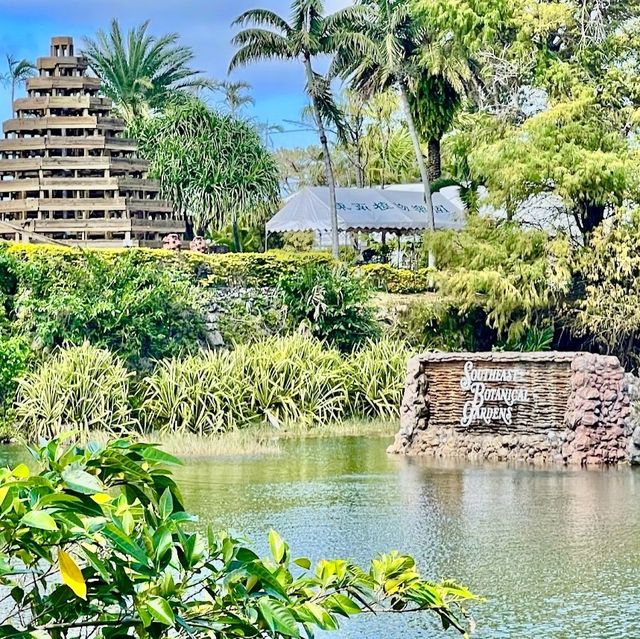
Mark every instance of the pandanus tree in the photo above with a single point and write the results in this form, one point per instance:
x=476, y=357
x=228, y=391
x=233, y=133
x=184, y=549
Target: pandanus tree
x=211, y=166
x=140, y=72
x=17, y=72
x=384, y=53
x=308, y=34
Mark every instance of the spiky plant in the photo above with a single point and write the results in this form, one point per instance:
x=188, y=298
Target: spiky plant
x=236, y=95
x=212, y=167
x=139, y=71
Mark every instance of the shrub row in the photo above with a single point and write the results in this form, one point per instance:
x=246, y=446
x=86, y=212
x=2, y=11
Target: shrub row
x=248, y=269
x=230, y=269
x=295, y=379
x=386, y=278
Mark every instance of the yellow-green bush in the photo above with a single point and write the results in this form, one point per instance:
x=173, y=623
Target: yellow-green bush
x=388, y=279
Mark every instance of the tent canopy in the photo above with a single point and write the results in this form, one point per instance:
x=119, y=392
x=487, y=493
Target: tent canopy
x=371, y=210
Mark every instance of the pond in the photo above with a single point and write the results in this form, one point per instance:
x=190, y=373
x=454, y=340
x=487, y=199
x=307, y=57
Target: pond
x=555, y=551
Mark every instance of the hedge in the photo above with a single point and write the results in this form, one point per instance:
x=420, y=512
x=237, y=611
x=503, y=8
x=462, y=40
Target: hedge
x=247, y=269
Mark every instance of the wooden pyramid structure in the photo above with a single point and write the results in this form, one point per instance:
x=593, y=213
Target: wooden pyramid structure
x=66, y=175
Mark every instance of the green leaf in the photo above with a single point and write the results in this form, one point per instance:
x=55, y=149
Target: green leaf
x=303, y=562
x=153, y=454
x=343, y=604
x=161, y=610
x=81, y=481
x=166, y=504
x=125, y=544
x=278, y=617
x=277, y=545
x=39, y=519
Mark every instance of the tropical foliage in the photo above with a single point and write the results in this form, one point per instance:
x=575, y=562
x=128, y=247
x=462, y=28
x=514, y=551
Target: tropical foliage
x=98, y=541
x=14, y=359
x=141, y=72
x=516, y=278
x=293, y=380
x=331, y=304
x=80, y=388
x=609, y=272
x=18, y=71
x=212, y=167
x=308, y=34
x=123, y=304
x=385, y=55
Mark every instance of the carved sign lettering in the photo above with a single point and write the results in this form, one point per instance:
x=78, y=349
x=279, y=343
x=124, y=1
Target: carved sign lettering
x=494, y=392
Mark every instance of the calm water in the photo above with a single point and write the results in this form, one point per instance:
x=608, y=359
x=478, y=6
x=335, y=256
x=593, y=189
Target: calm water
x=556, y=552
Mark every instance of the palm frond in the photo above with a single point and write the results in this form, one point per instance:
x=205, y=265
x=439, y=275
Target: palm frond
x=259, y=44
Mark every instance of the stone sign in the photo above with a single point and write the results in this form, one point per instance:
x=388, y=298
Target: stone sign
x=501, y=387
x=537, y=407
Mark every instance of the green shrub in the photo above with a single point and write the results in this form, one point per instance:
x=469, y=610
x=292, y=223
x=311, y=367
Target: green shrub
x=298, y=241
x=131, y=308
x=80, y=388
x=98, y=543
x=277, y=381
x=439, y=325
x=331, y=303
x=517, y=278
x=388, y=279
x=375, y=376
x=249, y=314
x=14, y=357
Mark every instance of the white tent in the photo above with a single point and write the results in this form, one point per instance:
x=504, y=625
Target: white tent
x=370, y=210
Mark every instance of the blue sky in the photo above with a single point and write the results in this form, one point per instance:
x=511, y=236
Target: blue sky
x=27, y=25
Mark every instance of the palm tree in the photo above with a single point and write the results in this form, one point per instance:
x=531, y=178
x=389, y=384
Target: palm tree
x=307, y=34
x=449, y=75
x=17, y=72
x=140, y=72
x=235, y=95
x=384, y=53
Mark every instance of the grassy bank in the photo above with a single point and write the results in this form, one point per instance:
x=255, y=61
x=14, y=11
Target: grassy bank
x=266, y=440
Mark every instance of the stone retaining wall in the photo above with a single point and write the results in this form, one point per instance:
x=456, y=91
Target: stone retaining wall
x=540, y=408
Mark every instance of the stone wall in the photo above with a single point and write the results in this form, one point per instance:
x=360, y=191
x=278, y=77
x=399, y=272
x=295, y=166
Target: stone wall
x=576, y=408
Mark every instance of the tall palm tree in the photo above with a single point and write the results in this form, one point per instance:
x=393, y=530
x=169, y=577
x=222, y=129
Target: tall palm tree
x=450, y=74
x=17, y=72
x=306, y=35
x=140, y=72
x=384, y=53
x=235, y=94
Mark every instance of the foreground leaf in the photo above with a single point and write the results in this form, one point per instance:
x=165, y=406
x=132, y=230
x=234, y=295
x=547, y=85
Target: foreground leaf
x=71, y=574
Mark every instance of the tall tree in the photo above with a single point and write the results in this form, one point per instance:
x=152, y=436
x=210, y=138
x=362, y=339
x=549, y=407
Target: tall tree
x=212, y=167
x=385, y=53
x=236, y=94
x=306, y=35
x=17, y=72
x=139, y=71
